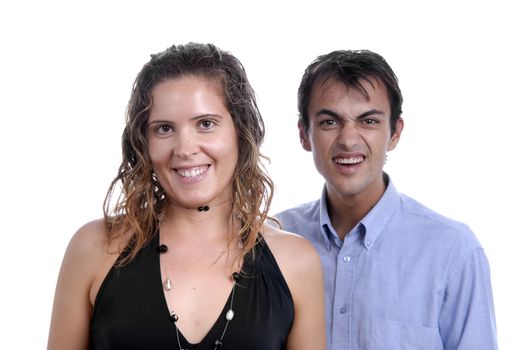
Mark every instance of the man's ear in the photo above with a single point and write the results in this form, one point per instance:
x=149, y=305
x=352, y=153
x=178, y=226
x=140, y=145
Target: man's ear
x=304, y=137
x=395, y=138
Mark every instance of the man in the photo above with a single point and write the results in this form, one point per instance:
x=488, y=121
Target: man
x=397, y=274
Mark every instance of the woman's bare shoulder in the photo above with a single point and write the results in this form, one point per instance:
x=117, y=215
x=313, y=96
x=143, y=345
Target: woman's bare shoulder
x=92, y=240
x=89, y=238
x=91, y=254
x=301, y=267
x=293, y=253
x=288, y=241
x=82, y=266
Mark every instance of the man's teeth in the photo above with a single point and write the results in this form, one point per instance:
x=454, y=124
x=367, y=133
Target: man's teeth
x=192, y=172
x=351, y=160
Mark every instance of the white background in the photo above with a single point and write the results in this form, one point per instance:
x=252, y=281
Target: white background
x=66, y=72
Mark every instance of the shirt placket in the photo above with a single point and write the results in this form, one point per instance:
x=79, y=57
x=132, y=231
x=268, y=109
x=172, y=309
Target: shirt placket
x=345, y=283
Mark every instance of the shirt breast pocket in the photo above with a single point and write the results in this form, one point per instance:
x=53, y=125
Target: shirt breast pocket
x=392, y=335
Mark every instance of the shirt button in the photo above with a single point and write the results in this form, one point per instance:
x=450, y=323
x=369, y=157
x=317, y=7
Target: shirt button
x=343, y=310
x=346, y=258
x=367, y=243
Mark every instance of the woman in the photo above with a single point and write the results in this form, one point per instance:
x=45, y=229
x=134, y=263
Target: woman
x=183, y=258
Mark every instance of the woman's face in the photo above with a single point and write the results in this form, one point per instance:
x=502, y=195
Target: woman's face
x=193, y=143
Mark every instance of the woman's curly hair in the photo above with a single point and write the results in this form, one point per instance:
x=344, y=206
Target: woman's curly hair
x=141, y=200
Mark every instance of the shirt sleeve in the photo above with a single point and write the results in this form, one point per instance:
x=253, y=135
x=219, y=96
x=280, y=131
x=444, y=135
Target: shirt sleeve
x=467, y=320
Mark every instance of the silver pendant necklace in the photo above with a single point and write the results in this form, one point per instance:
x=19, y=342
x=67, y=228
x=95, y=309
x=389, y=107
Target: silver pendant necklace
x=229, y=315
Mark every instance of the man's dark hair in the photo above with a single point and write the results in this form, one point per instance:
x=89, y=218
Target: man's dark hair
x=350, y=67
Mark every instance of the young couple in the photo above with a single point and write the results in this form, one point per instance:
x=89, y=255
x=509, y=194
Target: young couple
x=184, y=257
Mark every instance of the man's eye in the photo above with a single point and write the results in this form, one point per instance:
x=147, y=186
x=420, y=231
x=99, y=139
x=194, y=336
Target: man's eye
x=328, y=122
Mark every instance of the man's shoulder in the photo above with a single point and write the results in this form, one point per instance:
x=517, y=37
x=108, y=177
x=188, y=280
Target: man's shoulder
x=424, y=219
x=304, y=210
x=425, y=215
x=296, y=217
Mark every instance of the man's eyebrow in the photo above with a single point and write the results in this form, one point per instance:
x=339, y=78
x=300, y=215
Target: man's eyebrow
x=325, y=111
x=370, y=112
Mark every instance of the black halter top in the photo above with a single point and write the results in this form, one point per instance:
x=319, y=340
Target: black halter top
x=130, y=311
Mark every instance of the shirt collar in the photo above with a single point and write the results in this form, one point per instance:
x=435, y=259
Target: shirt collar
x=380, y=214
x=372, y=224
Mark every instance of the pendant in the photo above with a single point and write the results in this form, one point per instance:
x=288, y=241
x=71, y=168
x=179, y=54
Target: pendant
x=167, y=284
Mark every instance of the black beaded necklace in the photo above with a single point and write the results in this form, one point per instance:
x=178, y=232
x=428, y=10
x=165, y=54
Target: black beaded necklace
x=218, y=344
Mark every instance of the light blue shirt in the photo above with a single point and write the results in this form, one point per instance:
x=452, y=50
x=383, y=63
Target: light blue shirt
x=404, y=278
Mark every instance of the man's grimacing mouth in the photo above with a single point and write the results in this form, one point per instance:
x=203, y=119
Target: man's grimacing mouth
x=349, y=161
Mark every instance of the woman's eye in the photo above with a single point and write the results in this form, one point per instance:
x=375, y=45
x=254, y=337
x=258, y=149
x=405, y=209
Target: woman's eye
x=207, y=124
x=163, y=129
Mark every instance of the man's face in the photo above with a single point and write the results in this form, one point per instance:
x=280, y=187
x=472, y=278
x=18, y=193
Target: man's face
x=349, y=136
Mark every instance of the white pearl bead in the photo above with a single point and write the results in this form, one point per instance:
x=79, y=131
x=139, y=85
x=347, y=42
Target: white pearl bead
x=229, y=316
